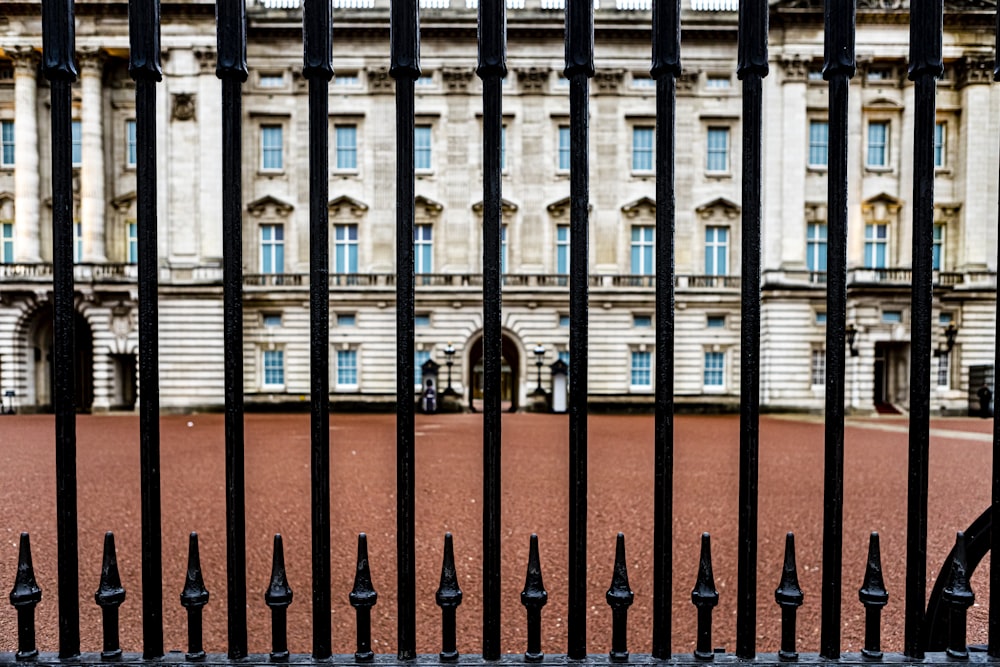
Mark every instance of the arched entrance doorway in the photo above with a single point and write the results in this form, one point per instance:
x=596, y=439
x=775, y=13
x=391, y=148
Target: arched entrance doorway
x=39, y=361
x=510, y=374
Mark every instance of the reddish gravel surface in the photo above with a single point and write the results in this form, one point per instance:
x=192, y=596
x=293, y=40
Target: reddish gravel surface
x=449, y=479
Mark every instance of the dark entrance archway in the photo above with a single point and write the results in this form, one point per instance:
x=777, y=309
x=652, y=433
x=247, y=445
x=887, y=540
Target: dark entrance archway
x=39, y=362
x=510, y=374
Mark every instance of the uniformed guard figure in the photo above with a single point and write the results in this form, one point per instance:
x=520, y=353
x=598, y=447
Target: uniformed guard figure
x=985, y=397
x=430, y=397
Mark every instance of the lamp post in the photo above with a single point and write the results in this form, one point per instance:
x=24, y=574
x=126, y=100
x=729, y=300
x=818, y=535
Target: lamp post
x=852, y=333
x=539, y=353
x=950, y=332
x=449, y=354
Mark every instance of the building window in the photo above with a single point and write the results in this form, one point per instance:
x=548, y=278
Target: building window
x=271, y=151
x=821, y=318
x=132, y=250
x=817, y=369
x=350, y=80
x=641, y=369
x=564, y=321
x=274, y=368
x=422, y=320
x=945, y=319
x=422, y=147
x=423, y=248
x=714, y=371
x=503, y=148
x=562, y=249
x=345, y=248
x=77, y=242
x=271, y=320
x=816, y=246
x=346, y=319
x=564, y=141
x=716, y=322
x=938, y=252
x=718, y=149
x=7, y=143
x=642, y=251
x=876, y=245
x=272, y=80
x=130, y=150
x=347, y=369
x=346, y=138
x=940, y=134
x=76, y=139
x=878, y=144
x=642, y=321
x=717, y=251
x=943, y=369
x=717, y=81
x=272, y=248
x=6, y=242
x=503, y=249
x=819, y=142
x=425, y=81
x=892, y=316
x=642, y=149
x=419, y=357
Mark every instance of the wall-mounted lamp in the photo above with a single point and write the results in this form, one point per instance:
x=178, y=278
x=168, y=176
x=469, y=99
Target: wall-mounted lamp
x=950, y=332
x=852, y=334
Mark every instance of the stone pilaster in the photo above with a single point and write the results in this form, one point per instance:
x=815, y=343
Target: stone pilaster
x=92, y=200
x=210, y=145
x=26, y=177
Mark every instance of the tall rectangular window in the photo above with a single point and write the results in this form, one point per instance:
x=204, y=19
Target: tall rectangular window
x=419, y=357
x=640, y=370
x=132, y=229
x=130, y=148
x=272, y=248
x=938, y=256
x=564, y=147
x=6, y=143
x=944, y=369
x=503, y=148
x=562, y=249
x=718, y=149
x=878, y=144
x=347, y=146
x=717, y=251
x=642, y=251
x=816, y=246
x=6, y=242
x=940, y=134
x=423, y=248
x=503, y=249
x=642, y=149
x=347, y=369
x=876, y=246
x=819, y=141
x=77, y=242
x=345, y=248
x=271, y=147
x=422, y=147
x=715, y=368
x=76, y=139
x=817, y=367
x=274, y=368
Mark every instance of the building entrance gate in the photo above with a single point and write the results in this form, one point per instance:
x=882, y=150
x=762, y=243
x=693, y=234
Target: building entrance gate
x=926, y=66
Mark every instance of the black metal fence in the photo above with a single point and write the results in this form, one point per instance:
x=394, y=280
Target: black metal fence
x=934, y=631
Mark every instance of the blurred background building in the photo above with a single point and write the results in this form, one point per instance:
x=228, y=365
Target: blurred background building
x=448, y=234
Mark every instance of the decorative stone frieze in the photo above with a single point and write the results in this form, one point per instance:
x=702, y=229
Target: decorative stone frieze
x=456, y=79
x=974, y=69
x=533, y=79
x=609, y=82
x=379, y=80
x=795, y=69
x=182, y=106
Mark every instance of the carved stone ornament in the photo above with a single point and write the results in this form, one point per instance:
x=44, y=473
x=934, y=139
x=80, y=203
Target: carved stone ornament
x=183, y=106
x=642, y=207
x=719, y=208
x=533, y=79
x=26, y=59
x=687, y=82
x=379, y=80
x=91, y=61
x=207, y=59
x=883, y=4
x=795, y=68
x=609, y=81
x=975, y=69
x=122, y=322
x=456, y=79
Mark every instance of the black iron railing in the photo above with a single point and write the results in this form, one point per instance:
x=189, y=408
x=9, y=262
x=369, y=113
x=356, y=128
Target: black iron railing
x=923, y=628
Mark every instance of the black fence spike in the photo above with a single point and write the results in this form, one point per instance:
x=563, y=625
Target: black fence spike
x=959, y=597
x=533, y=597
x=705, y=597
x=278, y=596
x=24, y=596
x=619, y=597
x=193, y=598
x=873, y=596
x=448, y=597
x=363, y=597
x=789, y=597
x=109, y=596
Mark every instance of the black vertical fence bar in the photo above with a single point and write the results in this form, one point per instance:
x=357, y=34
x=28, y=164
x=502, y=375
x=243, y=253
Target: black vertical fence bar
x=579, y=69
x=404, y=37
x=58, y=39
x=838, y=68
x=317, y=35
x=491, y=69
x=994, y=613
x=752, y=69
x=666, y=67
x=232, y=69
x=144, y=67
x=926, y=26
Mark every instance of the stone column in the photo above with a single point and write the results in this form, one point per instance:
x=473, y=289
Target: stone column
x=975, y=169
x=791, y=205
x=92, y=199
x=26, y=183
x=210, y=146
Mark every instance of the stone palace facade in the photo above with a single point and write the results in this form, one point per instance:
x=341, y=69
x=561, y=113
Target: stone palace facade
x=536, y=213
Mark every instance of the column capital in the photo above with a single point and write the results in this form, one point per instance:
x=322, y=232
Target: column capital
x=973, y=69
x=91, y=61
x=795, y=69
x=207, y=58
x=26, y=59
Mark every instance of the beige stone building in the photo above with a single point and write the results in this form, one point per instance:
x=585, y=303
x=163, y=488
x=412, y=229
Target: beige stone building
x=535, y=190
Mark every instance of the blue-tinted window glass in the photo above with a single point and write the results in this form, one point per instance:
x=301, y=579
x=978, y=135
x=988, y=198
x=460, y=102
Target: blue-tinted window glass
x=718, y=149
x=878, y=144
x=715, y=364
x=818, y=143
x=642, y=149
x=274, y=367
x=271, y=147
x=422, y=147
x=816, y=246
x=347, y=368
x=347, y=146
x=564, y=147
x=641, y=371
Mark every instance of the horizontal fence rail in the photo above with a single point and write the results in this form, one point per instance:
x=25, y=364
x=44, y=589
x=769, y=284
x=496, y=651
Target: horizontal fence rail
x=935, y=629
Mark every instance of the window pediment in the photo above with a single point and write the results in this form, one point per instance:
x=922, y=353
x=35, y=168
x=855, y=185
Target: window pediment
x=269, y=204
x=719, y=208
x=880, y=208
x=643, y=206
x=345, y=205
x=427, y=207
